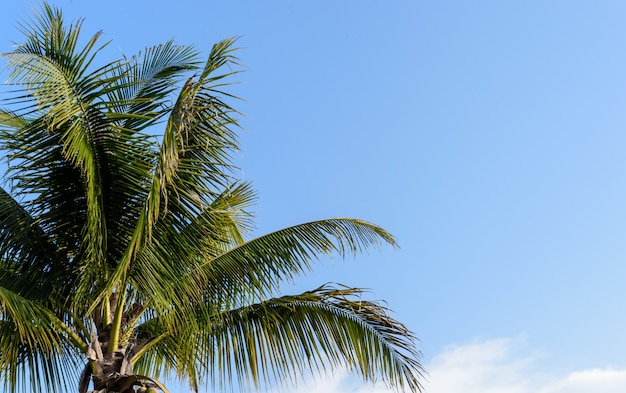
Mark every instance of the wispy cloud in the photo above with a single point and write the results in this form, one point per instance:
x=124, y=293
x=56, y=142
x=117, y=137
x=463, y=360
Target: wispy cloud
x=479, y=367
x=595, y=380
x=492, y=366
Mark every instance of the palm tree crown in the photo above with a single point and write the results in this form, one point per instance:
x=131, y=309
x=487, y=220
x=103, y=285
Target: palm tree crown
x=126, y=257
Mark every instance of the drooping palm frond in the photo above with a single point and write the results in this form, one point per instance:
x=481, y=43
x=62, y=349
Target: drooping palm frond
x=253, y=270
x=49, y=188
x=37, y=350
x=27, y=369
x=183, y=272
x=27, y=252
x=276, y=341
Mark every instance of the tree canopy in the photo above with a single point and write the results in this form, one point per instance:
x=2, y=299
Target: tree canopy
x=125, y=248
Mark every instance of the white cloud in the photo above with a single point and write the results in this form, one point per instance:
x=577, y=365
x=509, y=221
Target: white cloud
x=341, y=382
x=484, y=367
x=492, y=366
x=595, y=380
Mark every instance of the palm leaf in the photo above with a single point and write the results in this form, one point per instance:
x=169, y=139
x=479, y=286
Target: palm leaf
x=144, y=83
x=255, y=269
x=53, y=70
x=193, y=162
x=277, y=340
x=26, y=249
x=35, y=345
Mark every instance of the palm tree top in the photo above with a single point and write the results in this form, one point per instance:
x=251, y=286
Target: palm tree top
x=126, y=257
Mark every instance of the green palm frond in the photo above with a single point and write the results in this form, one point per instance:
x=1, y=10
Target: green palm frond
x=53, y=71
x=173, y=252
x=37, y=350
x=145, y=82
x=50, y=188
x=29, y=320
x=256, y=268
x=47, y=35
x=276, y=341
x=22, y=242
x=194, y=161
x=139, y=100
x=26, y=369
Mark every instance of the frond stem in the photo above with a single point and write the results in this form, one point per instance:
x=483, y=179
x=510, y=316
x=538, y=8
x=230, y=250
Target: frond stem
x=117, y=320
x=147, y=347
x=74, y=338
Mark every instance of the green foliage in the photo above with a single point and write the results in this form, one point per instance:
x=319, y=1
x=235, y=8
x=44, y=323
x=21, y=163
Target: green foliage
x=115, y=241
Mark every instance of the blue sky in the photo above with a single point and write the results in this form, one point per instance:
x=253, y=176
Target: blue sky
x=488, y=136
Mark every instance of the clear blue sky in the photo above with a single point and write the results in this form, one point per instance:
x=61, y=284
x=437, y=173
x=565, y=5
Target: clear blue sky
x=488, y=136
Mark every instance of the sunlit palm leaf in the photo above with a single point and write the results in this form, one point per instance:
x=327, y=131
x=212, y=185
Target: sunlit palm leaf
x=174, y=251
x=145, y=82
x=256, y=268
x=276, y=341
x=27, y=369
x=52, y=68
x=37, y=350
x=192, y=164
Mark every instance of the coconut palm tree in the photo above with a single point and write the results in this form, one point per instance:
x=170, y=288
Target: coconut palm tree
x=125, y=256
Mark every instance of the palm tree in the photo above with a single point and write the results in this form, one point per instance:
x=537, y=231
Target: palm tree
x=125, y=258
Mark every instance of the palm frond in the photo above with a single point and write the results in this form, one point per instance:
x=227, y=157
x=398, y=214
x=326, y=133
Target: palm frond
x=48, y=186
x=27, y=253
x=27, y=369
x=198, y=143
x=255, y=269
x=37, y=350
x=47, y=34
x=193, y=162
x=278, y=340
x=138, y=99
x=53, y=70
x=173, y=251
x=29, y=320
x=145, y=82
